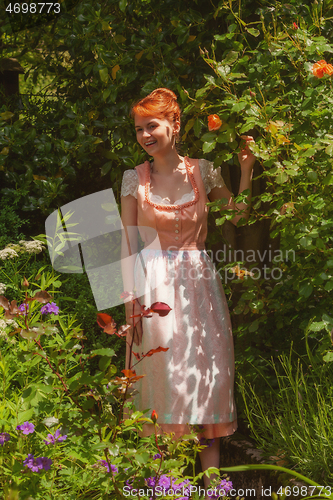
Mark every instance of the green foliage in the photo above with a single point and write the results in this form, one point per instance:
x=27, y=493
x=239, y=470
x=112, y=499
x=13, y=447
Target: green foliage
x=293, y=424
x=10, y=226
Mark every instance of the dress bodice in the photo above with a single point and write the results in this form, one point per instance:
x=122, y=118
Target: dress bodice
x=181, y=225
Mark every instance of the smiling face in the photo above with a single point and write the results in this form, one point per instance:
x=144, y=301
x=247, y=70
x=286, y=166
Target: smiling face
x=155, y=135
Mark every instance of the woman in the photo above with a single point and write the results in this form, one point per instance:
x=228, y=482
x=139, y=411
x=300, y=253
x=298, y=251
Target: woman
x=191, y=383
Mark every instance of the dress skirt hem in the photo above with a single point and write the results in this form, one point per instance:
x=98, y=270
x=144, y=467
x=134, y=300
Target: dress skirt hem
x=210, y=431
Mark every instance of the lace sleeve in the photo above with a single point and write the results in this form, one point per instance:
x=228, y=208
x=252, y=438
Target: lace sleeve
x=130, y=183
x=211, y=176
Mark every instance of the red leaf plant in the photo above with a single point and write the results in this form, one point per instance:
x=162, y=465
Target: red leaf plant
x=129, y=378
x=153, y=351
x=11, y=309
x=43, y=297
x=109, y=325
x=160, y=308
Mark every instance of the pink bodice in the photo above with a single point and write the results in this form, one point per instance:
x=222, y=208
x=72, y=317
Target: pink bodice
x=179, y=227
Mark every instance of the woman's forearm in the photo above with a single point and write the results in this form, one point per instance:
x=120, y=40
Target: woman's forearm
x=244, y=208
x=128, y=257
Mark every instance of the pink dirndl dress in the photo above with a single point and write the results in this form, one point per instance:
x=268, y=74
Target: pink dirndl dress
x=193, y=382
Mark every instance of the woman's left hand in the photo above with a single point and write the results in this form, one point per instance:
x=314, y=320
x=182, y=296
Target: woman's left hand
x=246, y=158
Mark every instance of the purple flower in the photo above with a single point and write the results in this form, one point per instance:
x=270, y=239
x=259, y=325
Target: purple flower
x=225, y=485
x=183, y=484
x=129, y=482
x=24, y=308
x=46, y=462
x=151, y=482
x=212, y=495
x=51, y=439
x=164, y=481
x=114, y=469
x=158, y=455
x=26, y=428
x=206, y=442
x=49, y=308
x=4, y=436
x=37, y=464
x=32, y=463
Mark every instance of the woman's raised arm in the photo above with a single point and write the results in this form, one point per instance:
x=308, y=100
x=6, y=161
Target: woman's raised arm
x=246, y=160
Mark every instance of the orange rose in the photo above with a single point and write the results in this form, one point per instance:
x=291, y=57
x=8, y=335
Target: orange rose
x=328, y=69
x=321, y=67
x=214, y=122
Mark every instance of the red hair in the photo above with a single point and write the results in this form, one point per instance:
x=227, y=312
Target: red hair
x=161, y=103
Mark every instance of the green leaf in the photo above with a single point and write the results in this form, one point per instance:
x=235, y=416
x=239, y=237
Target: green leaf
x=50, y=421
x=122, y=5
x=29, y=334
x=107, y=351
x=317, y=326
x=247, y=126
x=282, y=177
x=305, y=290
x=209, y=137
x=104, y=362
x=231, y=57
x=328, y=358
x=228, y=136
x=77, y=456
x=223, y=71
x=329, y=150
x=328, y=181
x=313, y=176
x=106, y=167
x=197, y=127
x=327, y=319
x=254, y=326
x=306, y=241
x=239, y=106
x=208, y=146
x=106, y=93
x=104, y=75
x=237, y=468
x=142, y=458
x=25, y=415
x=253, y=31
x=110, y=155
x=329, y=286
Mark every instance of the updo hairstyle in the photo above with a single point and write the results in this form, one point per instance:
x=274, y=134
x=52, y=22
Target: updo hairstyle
x=161, y=103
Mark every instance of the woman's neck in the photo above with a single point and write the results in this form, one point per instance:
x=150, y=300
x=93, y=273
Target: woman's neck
x=167, y=164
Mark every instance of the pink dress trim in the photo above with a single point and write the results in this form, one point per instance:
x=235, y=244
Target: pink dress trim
x=189, y=170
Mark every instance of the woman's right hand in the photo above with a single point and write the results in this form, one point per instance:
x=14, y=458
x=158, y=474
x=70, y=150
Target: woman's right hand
x=134, y=309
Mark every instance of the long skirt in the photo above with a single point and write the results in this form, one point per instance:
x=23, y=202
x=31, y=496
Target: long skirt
x=193, y=382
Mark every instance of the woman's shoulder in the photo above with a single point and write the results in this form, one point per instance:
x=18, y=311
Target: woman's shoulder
x=130, y=183
x=131, y=172
x=210, y=175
